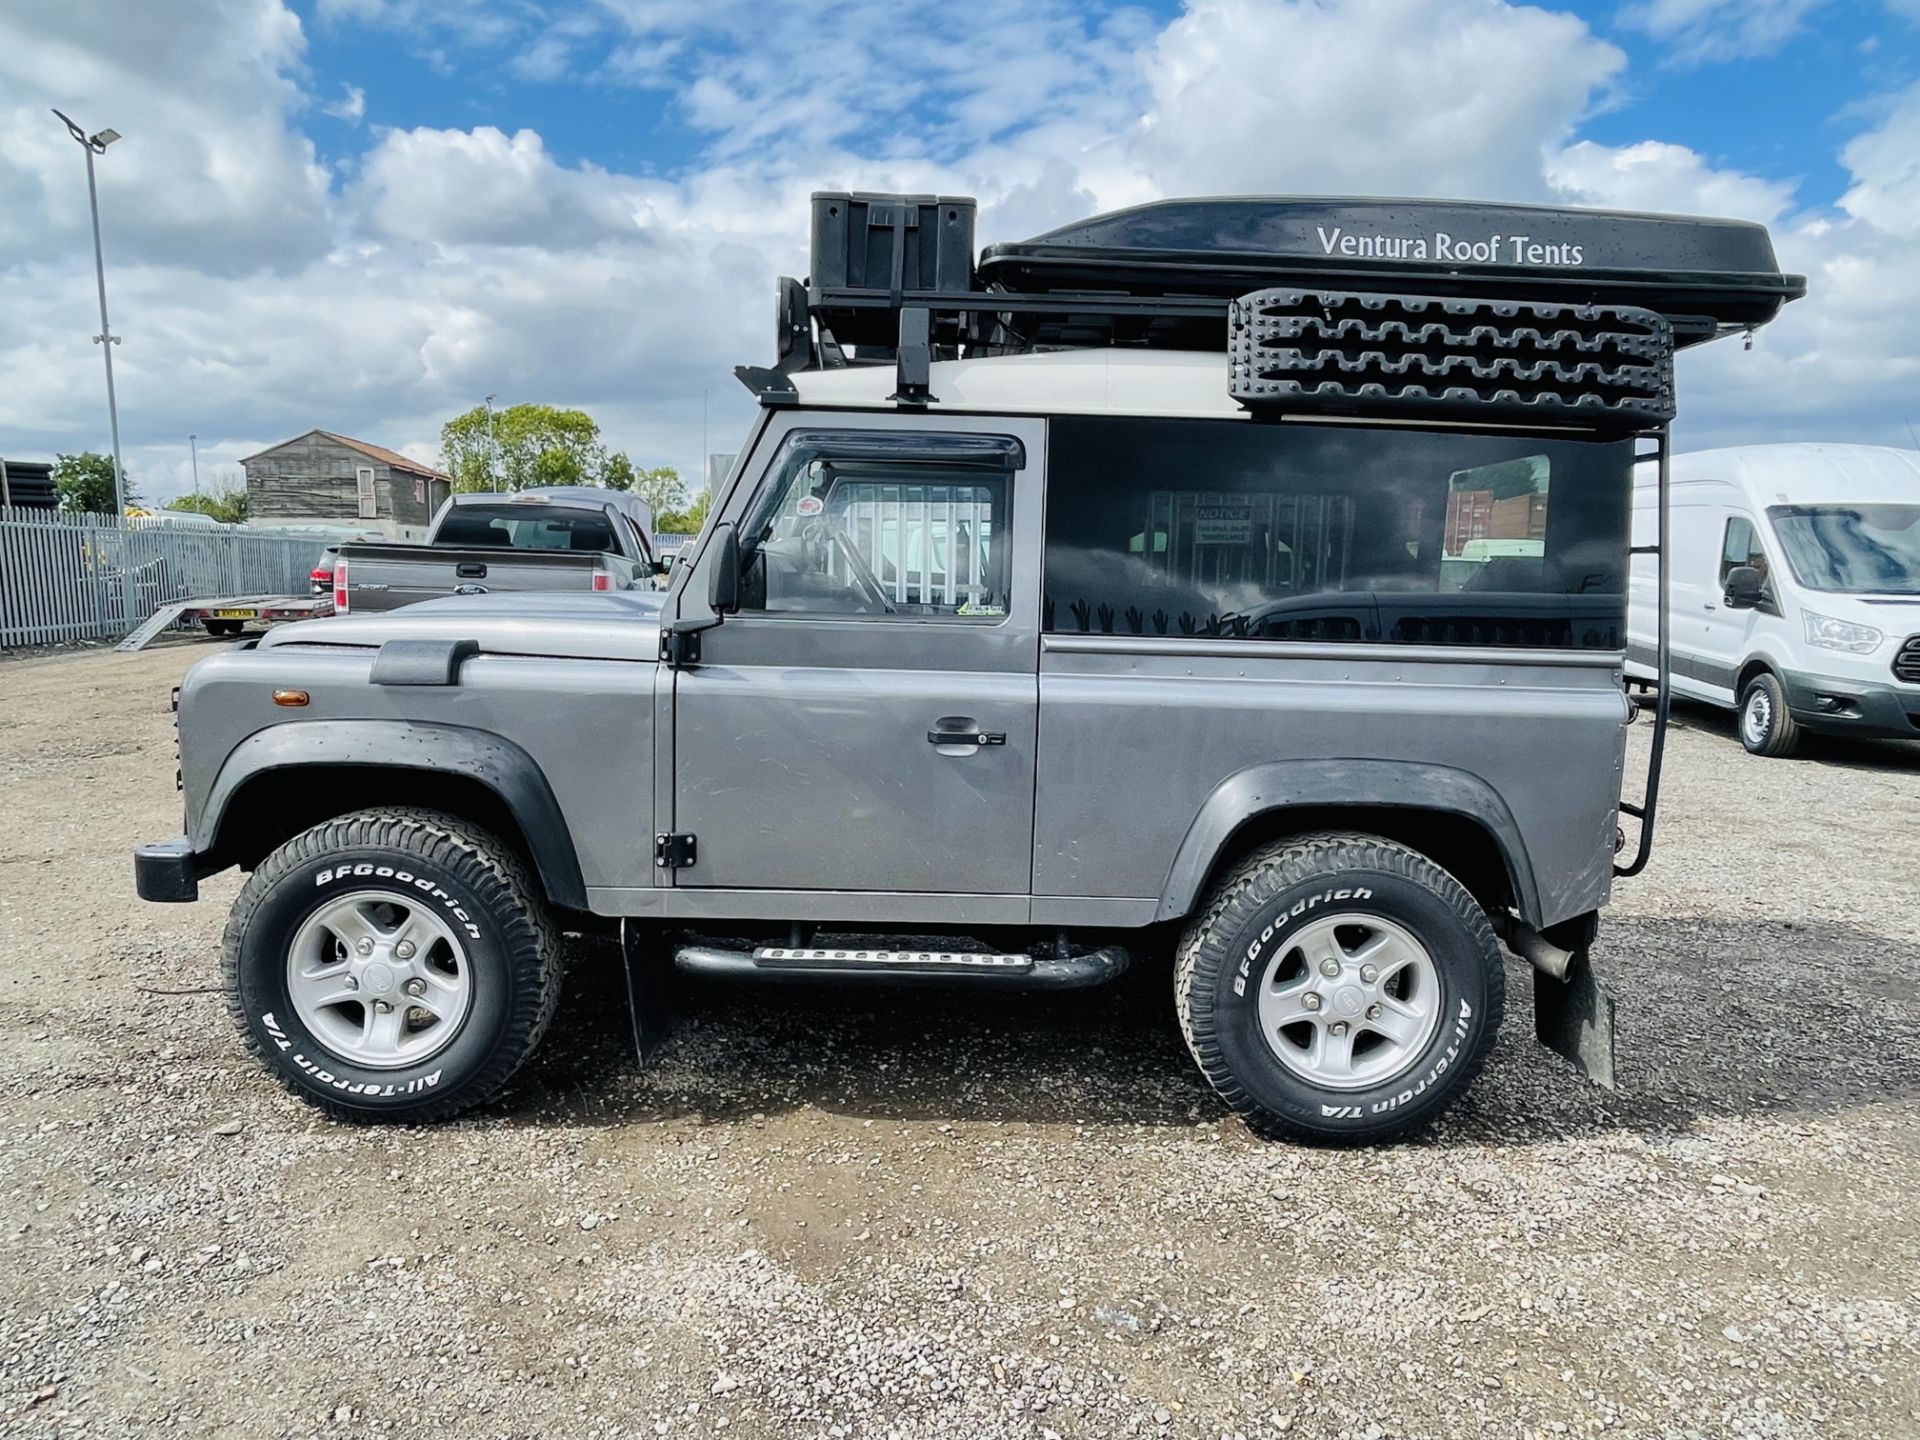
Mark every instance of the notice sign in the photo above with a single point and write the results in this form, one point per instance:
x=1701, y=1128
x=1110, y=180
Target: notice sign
x=1223, y=522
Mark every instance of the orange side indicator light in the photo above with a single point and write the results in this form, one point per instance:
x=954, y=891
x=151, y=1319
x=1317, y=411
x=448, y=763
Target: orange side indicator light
x=289, y=697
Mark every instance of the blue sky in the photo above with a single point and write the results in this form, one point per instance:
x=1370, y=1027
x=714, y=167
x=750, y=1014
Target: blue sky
x=366, y=214
x=1781, y=112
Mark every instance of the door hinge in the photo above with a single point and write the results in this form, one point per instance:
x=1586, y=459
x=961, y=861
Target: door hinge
x=679, y=647
x=673, y=852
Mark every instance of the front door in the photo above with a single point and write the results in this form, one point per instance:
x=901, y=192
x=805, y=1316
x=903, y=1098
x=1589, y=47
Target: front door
x=866, y=720
x=1727, y=637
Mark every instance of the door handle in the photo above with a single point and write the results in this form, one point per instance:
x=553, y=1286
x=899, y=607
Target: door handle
x=966, y=737
x=471, y=570
x=1708, y=607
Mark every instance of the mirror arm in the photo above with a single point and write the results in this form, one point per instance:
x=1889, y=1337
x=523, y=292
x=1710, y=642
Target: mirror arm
x=680, y=640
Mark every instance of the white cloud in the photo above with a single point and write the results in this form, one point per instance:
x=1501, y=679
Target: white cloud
x=350, y=107
x=1393, y=96
x=1653, y=175
x=1885, y=164
x=211, y=174
x=1703, y=31
x=481, y=186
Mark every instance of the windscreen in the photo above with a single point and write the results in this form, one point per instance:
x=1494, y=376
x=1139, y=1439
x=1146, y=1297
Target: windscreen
x=1864, y=549
x=1336, y=534
x=522, y=527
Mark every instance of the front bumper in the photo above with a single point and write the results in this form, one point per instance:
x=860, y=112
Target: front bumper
x=170, y=870
x=1829, y=706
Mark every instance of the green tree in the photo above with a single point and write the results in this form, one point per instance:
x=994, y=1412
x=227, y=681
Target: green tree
x=228, y=505
x=618, y=472
x=537, y=445
x=684, y=522
x=662, y=489
x=84, y=482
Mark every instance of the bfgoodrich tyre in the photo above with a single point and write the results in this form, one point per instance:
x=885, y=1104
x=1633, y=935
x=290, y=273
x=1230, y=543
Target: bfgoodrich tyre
x=1339, y=987
x=392, y=965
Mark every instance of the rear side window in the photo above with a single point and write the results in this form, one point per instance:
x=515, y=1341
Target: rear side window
x=522, y=527
x=1339, y=534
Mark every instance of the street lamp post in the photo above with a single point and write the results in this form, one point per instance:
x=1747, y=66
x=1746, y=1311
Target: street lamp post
x=96, y=144
x=493, y=449
x=193, y=445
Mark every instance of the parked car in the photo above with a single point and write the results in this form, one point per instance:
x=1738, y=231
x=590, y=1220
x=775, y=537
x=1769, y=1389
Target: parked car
x=1795, y=589
x=560, y=537
x=987, y=669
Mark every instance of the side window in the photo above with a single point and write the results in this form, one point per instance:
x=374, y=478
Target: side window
x=1741, y=546
x=1241, y=530
x=853, y=530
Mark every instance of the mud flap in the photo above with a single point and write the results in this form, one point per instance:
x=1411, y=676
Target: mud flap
x=1574, y=1019
x=650, y=985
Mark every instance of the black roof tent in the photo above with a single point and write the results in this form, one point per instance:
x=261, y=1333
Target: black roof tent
x=1336, y=305
x=1704, y=276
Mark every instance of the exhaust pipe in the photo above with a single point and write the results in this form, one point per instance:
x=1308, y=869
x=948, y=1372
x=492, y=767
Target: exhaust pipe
x=1538, y=951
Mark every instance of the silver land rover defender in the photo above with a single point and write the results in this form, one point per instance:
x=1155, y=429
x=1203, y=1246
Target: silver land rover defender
x=1242, y=580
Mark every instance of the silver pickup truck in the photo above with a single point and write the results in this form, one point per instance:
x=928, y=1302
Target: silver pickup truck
x=559, y=537
x=1165, y=590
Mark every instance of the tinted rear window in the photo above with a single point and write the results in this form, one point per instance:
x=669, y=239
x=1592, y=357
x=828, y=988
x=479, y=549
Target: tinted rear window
x=1341, y=534
x=526, y=527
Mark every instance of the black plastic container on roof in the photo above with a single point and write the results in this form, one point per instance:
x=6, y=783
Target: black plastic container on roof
x=1706, y=276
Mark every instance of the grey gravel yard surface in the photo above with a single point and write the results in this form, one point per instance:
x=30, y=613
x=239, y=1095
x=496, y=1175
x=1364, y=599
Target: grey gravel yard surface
x=853, y=1216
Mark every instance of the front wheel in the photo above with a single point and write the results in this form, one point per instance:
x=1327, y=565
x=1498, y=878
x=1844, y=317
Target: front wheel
x=1767, y=726
x=392, y=965
x=1339, y=987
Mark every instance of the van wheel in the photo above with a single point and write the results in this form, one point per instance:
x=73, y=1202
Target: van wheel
x=1767, y=727
x=1339, y=987
x=392, y=965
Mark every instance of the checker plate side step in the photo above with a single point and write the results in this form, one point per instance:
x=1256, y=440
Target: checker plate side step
x=858, y=965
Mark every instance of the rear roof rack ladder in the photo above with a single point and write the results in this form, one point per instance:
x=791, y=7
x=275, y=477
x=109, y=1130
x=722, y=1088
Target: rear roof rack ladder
x=1645, y=811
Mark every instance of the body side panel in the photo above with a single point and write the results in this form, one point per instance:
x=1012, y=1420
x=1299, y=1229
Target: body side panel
x=1136, y=737
x=501, y=718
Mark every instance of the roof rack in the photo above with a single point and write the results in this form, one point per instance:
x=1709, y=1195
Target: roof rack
x=1357, y=306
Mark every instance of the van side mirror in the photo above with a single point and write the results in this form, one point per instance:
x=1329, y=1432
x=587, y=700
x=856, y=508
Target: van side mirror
x=1744, y=588
x=723, y=585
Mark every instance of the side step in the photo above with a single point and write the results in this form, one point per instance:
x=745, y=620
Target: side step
x=904, y=967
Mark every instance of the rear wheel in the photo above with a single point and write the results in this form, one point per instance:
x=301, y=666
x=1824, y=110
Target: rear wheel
x=1767, y=726
x=392, y=965
x=1339, y=987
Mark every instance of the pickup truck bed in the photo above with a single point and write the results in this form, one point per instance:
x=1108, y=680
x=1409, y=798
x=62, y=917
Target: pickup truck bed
x=371, y=577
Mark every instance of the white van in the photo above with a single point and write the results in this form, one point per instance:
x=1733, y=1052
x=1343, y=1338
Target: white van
x=1795, y=574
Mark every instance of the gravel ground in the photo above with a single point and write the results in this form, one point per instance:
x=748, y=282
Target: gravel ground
x=837, y=1215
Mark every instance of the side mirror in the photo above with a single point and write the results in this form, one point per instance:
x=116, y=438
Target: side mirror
x=723, y=585
x=1744, y=588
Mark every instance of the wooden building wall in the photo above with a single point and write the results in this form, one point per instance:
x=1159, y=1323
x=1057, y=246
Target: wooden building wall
x=313, y=478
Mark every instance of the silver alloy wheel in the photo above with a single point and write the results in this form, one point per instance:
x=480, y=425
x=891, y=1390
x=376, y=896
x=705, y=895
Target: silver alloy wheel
x=1757, y=719
x=378, y=980
x=1350, y=1002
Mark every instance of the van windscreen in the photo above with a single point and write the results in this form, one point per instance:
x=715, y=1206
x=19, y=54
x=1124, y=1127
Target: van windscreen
x=1861, y=549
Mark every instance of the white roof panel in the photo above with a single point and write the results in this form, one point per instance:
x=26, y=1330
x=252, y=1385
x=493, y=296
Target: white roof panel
x=1067, y=382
